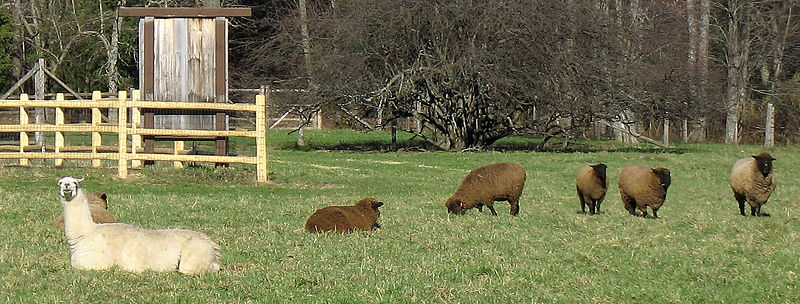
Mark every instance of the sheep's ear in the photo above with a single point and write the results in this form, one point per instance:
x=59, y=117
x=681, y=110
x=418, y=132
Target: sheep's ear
x=377, y=204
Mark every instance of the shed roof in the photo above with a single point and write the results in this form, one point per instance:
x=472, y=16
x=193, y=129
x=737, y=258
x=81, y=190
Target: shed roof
x=185, y=12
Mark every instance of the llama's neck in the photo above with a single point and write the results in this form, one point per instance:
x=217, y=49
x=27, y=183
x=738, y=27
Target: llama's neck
x=77, y=217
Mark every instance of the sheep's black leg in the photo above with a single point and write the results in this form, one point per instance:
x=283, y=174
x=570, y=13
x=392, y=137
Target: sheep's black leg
x=655, y=213
x=592, y=207
x=491, y=207
x=514, y=207
x=480, y=207
x=741, y=199
x=761, y=213
x=583, y=202
x=597, y=207
x=753, y=211
x=630, y=205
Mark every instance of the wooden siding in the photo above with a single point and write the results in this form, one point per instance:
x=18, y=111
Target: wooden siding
x=184, y=68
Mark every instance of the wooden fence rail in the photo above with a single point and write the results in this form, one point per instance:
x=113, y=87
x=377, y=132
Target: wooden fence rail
x=128, y=149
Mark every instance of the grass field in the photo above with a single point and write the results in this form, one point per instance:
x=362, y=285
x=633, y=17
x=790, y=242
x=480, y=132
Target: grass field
x=701, y=250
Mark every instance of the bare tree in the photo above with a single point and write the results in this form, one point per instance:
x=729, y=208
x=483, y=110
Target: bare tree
x=735, y=29
x=471, y=73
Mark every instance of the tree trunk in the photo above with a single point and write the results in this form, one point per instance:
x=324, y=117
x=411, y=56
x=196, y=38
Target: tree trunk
x=697, y=63
x=306, y=39
x=737, y=43
x=733, y=97
x=702, y=59
x=39, y=83
x=665, y=137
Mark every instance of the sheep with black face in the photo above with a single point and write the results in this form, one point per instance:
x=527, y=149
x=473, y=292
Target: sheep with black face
x=591, y=185
x=753, y=180
x=641, y=186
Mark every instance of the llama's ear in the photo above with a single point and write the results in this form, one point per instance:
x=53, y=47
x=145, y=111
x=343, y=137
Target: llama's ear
x=79, y=180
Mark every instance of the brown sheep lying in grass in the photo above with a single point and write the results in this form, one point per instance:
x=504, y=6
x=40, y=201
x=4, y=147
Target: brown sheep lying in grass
x=340, y=219
x=591, y=185
x=98, y=206
x=641, y=186
x=753, y=180
x=486, y=185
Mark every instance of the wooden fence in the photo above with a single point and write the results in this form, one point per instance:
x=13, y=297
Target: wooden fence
x=129, y=133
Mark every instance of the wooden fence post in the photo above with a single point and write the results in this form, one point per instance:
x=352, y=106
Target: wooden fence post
x=23, y=136
x=59, y=162
x=261, y=138
x=179, y=146
x=136, y=121
x=769, y=128
x=122, y=133
x=97, y=140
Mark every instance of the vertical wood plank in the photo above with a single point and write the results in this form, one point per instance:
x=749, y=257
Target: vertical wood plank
x=136, y=121
x=97, y=140
x=148, y=68
x=262, y=168
x=220, y=80
x=122, y=134
x=23, y=136
x=59, y=162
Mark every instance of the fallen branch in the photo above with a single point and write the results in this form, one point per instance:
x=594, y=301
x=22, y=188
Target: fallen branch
x=637, y=135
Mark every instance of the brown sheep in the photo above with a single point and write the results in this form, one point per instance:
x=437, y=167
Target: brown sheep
x=641, y=186
x=98, y=206
x=591, y=185
x=486, y=185
x=753, y=180
x=340, y=219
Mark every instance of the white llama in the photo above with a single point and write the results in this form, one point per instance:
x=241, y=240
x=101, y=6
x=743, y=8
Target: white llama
x=102, y=246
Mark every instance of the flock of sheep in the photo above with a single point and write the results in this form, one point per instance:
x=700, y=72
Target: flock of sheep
x=97, y=242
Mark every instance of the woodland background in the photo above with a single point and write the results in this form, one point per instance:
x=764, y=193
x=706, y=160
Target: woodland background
x=463, y=74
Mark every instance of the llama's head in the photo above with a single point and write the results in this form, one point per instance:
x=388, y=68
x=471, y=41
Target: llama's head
x=68, y=187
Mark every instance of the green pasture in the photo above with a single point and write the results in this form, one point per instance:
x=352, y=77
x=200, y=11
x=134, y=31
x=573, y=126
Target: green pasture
x=700, y=251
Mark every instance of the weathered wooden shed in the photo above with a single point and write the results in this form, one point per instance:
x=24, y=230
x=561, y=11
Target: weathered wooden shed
x=183, y=56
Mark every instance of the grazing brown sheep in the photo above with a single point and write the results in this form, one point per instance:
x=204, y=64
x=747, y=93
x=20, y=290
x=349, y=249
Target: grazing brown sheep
x=641, y=186
x=753, y=180
x=486, y=185
x=98, y=205
x=591, y=185
x=340, y=219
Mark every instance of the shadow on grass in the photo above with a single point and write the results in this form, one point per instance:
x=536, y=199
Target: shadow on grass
x=368, y=146
x=590, y=148
x=339, y=140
